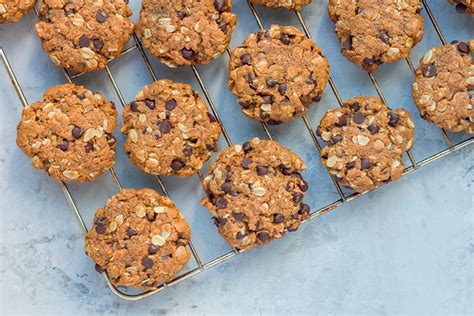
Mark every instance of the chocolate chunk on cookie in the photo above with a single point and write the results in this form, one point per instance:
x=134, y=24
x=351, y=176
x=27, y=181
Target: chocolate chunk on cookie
x=69, y=133
x=139, y=239
x=287, y=4
x=464, y=6
x=186, y=32
x=83, y=34
x=365, y=142
x=374, y=32
x=443, y=89
x=277, y=73
x=170, y=131
x=13, y=10
x=255, y=192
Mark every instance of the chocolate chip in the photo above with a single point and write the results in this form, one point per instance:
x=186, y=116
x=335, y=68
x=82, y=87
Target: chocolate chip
x=262, y=34
x=170, y=105
x=84, y=41
x=98, y=43
x=100, y=16
x=246, y=163
x=370, y=61
x=81, y=96
x=219, y=5
x=350, y=165
x=263, y=236
x=262, y=170
x=177, y=164
x=69, y=12
x=77, y=132
x=239, y=236
x=336, y=139
x=100, y=228
x=188, y=54
x=297, y=197
x=238, y=216
x=429, y=71
x=282, y=89
x=304, y=209
x=364, y=164
x=165, y=127
x=98, y=268
x=347, y=43
x=134, y=106
x=463, y=47
x=99, y=219
x=278, y=218
x=342, y=121
x=355, y=106
x=112, y=104
x=147, y=262
x=187, y=150
x=268, y=98
x=286, y=171
x=89, y=147
x=221, y=221
x=383, y=36
x=303, y=185
x=264, y=115
x=131, y=232
x=373, y=128
x=64, y=145
x=253, y=85
x=150, y=104
x=393, y=119
x=181, y=14
x=152, y=249
x=358, y=118
x=461, y=8
x=271, y=82
x=245, y=59
x=229, y=175
x=226, y=187
x=285, y=39
x=221, y=203
x=223, y=27
x=247, y=147
x=111, y=140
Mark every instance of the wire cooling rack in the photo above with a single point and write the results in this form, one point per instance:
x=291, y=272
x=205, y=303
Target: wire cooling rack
x=343, y=198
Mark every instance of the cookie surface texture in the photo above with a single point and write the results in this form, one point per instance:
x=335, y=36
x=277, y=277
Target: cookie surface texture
x=13, y=10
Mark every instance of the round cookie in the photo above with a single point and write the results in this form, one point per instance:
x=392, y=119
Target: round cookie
x=443, y=89
x=287, y=4
x=183, y=32
x=374, y=32
x=464, y=6
x=139, y=239
x=83, y=34
x=277, y=73
x=69, y=133
x=365, y=142
x=14, y=10
x=255, y=193
x=170, y=131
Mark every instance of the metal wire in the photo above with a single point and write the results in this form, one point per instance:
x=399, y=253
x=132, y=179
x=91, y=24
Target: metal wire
x=222, y=258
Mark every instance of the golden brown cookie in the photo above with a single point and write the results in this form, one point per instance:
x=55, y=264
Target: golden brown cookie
x=277, y=73
x=255, y=193
x=139, y=239
x=69, y=133
x=287, y=4
x=83, y=34
x=365, y=142
x=170, y=131
x=443, y=89
x=374, y=32
x=14, y=10
x=464, y=6
x=184, y=32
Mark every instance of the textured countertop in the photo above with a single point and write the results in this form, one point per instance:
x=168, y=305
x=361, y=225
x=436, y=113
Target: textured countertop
x=407, y=248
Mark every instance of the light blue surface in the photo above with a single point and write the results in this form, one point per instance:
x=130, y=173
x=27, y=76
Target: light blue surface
x=407, y=248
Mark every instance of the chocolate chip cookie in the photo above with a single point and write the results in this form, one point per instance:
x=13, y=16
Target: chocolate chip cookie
x=287, y=4
x=443, y=89
x=14, y=10
x=83, y=34
x=170, y=131
x=184, y=32
x=277, y=73
x=464, y=6
x=374, y=32
x=69, y=133
x=255, y=193
x=365, y=142
x=139, y=239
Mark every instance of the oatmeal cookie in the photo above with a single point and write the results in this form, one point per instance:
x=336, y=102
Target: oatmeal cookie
x=69, y=133
x=255, y=193
x=464, y=6
x=83, y=34
x=287, y=4
x=373, y=32
x=139, y=239
x=277, y=73
x=13, y=10
x=365, y=142
x=170, y=131
x=184, y=32
x=444, y=86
